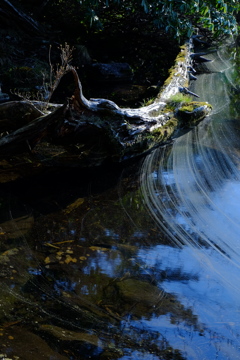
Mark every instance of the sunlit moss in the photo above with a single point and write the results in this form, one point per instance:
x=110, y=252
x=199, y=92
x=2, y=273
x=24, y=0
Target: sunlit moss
x=193, y=112
x=189, y=107
x=179, y=98
x=164, y=132
x=173, y=71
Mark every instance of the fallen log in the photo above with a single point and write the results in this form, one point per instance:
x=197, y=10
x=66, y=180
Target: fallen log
x=33, y=130
x=15, y=114
x=88, y=132
x=150, y=113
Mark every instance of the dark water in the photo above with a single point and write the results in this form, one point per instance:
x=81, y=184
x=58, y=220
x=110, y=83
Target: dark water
x=141, y=262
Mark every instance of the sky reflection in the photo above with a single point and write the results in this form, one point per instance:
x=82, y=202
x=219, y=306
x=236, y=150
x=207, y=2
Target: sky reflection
x=192, y=191
x=214, y=303
x=162, y=289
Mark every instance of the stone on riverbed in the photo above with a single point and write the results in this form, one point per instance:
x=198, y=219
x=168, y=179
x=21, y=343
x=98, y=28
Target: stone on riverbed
x=139, y=291
x=20, y=343
x=67, y=335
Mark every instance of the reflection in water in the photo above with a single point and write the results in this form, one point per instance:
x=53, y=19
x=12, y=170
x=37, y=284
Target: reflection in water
x=192, y=191
x=131, y=271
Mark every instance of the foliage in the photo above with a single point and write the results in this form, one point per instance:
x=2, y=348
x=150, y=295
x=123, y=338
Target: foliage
x=181, y=18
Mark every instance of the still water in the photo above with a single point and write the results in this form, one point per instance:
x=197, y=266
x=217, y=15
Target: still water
x=141, y=262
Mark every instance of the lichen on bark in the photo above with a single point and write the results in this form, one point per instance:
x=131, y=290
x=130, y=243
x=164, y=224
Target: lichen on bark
x=88, y=132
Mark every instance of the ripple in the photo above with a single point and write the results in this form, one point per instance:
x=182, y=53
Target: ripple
x=192, y=191
x=192, y=188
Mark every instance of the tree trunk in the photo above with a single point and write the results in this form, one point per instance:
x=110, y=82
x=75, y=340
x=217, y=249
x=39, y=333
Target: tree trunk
x=32, y=131
x=98, y=130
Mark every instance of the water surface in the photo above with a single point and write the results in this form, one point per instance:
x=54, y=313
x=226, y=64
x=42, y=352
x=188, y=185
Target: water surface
x=140, y=262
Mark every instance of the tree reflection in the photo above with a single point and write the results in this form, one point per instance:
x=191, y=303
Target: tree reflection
x=77, y=270
x=97, y=278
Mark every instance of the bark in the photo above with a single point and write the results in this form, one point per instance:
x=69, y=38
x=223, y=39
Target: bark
x=96, y=130
x=15, y=114
x=148, y=114
x=34, y=130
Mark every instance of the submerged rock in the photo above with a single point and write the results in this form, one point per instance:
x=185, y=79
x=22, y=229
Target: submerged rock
x=20, y=343
x=68, y=335
x=139, y=291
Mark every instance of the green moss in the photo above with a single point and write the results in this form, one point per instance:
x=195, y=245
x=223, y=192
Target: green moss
x=193, y=112
x=174, y=101
x=179, y=98
x=148, y=101
x=190, y=107
x=171, y=72
x=182, y=54
x=181, y=58
x=164, y=132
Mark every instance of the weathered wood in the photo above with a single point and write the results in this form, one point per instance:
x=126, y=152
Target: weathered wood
x=98, y=130
x=146, y=114
x=35, y=129
x=15, y=114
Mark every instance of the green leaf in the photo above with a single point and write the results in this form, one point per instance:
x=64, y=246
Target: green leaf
x=205, y=11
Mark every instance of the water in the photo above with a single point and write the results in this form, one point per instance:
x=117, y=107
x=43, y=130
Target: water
x=134, y=263
x=195, y=195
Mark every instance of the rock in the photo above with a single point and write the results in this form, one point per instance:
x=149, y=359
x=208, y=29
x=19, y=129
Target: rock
x=68, y=335
x=113, y=72
x=111, y=354
x=4, y=258
x=142, y=298
x=16, y=228
x=24, y=344
x=139, y=291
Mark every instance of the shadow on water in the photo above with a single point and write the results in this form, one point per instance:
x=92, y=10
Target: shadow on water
x=133, y=263
x=72, y=283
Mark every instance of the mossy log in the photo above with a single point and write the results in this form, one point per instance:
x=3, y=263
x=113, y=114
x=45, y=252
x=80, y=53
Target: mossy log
x=33, y=129
x=88, y=132
x=192, y=113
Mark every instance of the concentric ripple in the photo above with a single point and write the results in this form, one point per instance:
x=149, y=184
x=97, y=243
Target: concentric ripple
x=192, y=189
